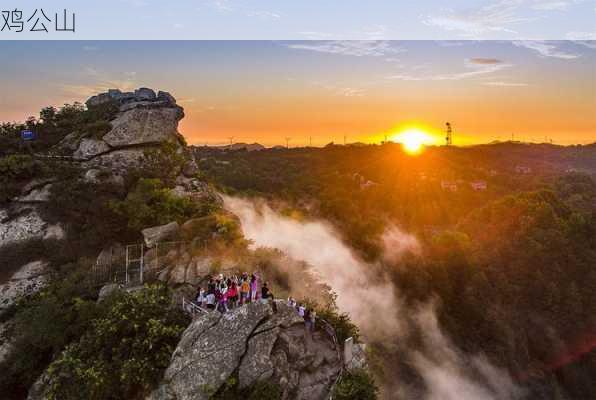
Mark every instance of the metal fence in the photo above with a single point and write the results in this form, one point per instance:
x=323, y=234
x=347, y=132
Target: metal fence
x=135, y=264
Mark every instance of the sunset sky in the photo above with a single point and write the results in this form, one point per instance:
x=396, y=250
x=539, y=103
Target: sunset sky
x=265, y=91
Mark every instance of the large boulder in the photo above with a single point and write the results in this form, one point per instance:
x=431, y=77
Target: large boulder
x=37, y=195
x=118, y=161
x=90, y=148
x=144, y=125
x=22, y=223
x=253, y=343
x=27, y=280
x=144, y=119
x=160, y=233
x=196, y=190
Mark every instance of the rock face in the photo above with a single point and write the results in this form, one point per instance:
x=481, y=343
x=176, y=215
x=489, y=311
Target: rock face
x=27, y=280
x=254, y=343
x=195, y=190
x=160, y=233
x=141, y=124
x=21, y=221
x=24, y=224
x=91, y=147
x=143, y=119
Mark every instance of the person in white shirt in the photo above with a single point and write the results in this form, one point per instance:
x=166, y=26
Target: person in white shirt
x=301, y=310
x=210, y=300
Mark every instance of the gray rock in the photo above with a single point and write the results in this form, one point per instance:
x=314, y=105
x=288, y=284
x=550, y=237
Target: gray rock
x=107, y=290
x=35, y=184
x=38, y=390
x=118, y=161
x=196, y=190
x=54, y=231
x=90, y=148
x=27, y=280
x=99, y=99
x=160, y=233
x=258, y=343
x=92, y=175
x=70, y=142
x=358, y=357
x=5, y=343
x=144, y=126
x=38, y=195
x=26, y=225
x=145, y=94
x=165, y=96
x=190, y=169
x=111, y=254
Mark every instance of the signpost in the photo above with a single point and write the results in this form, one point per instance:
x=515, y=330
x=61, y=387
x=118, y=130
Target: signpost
x=27, y=135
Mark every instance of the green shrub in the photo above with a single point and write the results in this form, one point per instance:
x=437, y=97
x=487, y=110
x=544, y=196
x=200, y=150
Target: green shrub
x=42, y=325
x=356, y=385
x=150, y=203
x=164, y=163
x=124, y=353
x=341, y=322
x=15, y=170
x=264, y=390
x=261, y=390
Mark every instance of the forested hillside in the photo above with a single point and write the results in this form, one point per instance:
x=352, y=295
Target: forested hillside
x=510, y=265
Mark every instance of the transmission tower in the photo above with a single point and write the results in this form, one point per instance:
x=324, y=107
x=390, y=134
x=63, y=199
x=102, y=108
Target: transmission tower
x=231, y=140
x=448, y=138
x=288, y=142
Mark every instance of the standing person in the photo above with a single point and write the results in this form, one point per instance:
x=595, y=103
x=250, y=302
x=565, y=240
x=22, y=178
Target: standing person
x=253, y=288
x=232, y=295
x=245, y=290
x=307, y=320
x=210, y=300
x=200, y=299
x=265, y=293
x=301, y=310
x=313, y=315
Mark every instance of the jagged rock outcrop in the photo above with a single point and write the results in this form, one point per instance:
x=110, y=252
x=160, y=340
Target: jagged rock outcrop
x=195, y=190
x=144, y=119
x=23, y=222
x=91, y=147
x=160, y=233
x=252, y=343
x=27, y=280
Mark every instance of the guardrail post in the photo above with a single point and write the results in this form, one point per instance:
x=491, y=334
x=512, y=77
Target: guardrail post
x=142, y=263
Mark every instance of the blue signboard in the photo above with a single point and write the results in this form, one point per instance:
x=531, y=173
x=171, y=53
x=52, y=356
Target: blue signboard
x=27, y=135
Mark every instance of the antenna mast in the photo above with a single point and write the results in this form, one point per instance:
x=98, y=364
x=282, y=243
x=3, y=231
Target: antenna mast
x=448, y=135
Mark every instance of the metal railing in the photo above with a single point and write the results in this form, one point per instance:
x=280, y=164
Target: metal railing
x=192, y=308
x=136, y=264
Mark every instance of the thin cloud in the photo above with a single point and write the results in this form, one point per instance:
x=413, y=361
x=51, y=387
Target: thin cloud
x=495, y=17
x=498, y=16
x=351, y=92
x=266, y=15
x=359, y=48
x=473, y=69
x=101, y=83
x=505, y=84
x=484, y=61
x=547, y=49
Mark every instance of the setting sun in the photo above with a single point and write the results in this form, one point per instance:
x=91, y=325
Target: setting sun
x=413, y=139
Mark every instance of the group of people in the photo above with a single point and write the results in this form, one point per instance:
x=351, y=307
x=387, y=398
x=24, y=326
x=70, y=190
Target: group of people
x=224, y=293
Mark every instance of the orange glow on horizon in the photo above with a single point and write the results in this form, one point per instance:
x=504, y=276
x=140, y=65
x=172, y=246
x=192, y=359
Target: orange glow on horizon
x=413, y=139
